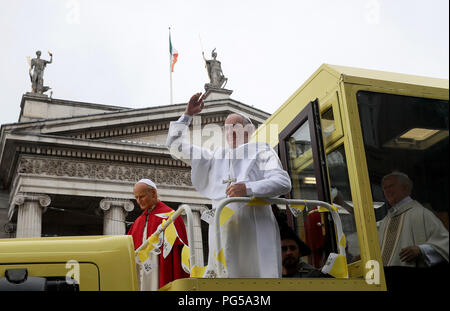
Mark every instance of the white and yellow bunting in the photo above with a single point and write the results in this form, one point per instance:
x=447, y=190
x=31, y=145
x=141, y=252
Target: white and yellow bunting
x=221, y=263
x=195, y=271
x=185, y=262
x=212, y=269
x=157, y=249
x=336, y=266
x=257, y=201
x=334, y=208
x=323, y=209
x=165, y=215
x=198, y=272
x=225, y=215
x=209, y=273
x=296, y=210
x=170, y=235
x=152, y=244
x=147, y=266
x=208, y=216
x=221, y=257
x=343, y=242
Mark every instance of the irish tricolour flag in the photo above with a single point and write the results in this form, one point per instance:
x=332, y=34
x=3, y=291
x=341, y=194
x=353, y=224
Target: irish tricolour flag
x=173, y=54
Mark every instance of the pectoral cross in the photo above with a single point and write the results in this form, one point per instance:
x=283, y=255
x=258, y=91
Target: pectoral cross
x=228, y=181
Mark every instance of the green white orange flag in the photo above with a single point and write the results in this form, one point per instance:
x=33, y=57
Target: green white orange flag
x=173, y=54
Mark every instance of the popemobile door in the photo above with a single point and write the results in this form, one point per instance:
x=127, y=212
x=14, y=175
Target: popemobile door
x=302, y=154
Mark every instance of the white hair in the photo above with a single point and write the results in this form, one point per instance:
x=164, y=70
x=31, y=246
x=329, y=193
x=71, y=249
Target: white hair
x=402, y=179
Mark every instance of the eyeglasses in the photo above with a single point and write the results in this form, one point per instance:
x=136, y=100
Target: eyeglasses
x=290, y=247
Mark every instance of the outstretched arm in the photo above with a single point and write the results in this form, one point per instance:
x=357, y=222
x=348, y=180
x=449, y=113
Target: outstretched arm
x=179, y=145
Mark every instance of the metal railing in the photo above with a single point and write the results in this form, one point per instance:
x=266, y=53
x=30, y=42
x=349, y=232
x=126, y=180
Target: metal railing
x=264, y=201
x=287, y=202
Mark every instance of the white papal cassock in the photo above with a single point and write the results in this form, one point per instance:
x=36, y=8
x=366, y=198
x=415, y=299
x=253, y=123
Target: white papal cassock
x=250, y=238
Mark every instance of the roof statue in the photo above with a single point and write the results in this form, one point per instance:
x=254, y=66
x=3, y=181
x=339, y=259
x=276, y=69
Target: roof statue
x=36, y=71
x=214, y=68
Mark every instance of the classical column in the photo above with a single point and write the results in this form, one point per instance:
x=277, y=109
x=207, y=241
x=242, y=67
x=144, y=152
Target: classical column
x=197, y=210
x=29, y=215
x=115, y=211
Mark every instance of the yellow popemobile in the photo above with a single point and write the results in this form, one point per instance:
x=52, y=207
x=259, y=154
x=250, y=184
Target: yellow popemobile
x=337, y=136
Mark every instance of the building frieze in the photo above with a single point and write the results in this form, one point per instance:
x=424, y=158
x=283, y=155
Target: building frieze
x=97, y=170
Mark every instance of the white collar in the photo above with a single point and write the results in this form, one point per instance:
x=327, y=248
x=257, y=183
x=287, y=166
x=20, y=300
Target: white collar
x=397, y=206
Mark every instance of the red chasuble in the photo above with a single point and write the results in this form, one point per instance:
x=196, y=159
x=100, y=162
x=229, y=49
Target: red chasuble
x=170, y=267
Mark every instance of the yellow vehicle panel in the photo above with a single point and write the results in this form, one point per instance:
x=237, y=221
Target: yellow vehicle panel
x=105, y=262
x=89, y=273
x=288, y=284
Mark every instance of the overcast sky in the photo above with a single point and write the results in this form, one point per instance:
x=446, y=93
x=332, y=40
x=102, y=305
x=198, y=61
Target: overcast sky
x=117, y=52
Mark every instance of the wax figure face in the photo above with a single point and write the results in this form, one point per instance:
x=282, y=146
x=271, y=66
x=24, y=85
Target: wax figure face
x=145, y=195
x=290, y=253
x=394, y=191
x=237, y=131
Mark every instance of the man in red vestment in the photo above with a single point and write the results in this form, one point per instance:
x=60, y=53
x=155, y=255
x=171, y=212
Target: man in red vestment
x=146, y=195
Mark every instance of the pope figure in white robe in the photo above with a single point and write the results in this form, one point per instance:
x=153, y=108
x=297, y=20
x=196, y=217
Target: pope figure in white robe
x=250, y=238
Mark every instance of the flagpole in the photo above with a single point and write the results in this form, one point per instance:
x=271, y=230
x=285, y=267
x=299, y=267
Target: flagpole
x=170, y=70
x=171, y=87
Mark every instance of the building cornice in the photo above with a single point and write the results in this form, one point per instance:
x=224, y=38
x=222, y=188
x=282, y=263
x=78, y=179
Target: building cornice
x=140, y=116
